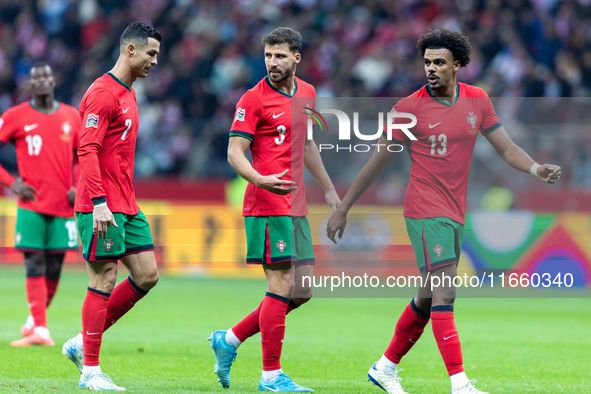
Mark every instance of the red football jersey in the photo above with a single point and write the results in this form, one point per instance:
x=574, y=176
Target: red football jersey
x=442, y=155
x=45, y=144
x=109, y=117
x=263, y=115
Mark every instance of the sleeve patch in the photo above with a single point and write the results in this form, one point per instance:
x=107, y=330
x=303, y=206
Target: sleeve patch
x=240, y=113
x=92, y=121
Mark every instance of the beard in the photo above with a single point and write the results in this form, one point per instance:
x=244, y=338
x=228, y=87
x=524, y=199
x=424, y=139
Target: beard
x=283, y=74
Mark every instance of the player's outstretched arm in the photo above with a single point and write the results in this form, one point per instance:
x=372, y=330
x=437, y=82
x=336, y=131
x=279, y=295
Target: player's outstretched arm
x=519, y=159
x=273, y=183
x=376, y=164
x=313, y=163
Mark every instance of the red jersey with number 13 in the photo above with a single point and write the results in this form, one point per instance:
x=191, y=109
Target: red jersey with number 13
x=263, y=115
x=110, y=119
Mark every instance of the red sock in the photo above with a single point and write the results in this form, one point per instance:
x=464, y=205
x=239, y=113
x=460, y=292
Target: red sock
x=249, y=326
x=272, y=322
x=122, y=299
x=37, y=298
x=51, y=286
x=446, y=336
x=409, y=328
x=94, y=312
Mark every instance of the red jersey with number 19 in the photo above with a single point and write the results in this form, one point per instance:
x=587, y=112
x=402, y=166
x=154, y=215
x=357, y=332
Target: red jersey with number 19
x=442, y=155
x=45, y=143
x=263, y=115
x=110, y=119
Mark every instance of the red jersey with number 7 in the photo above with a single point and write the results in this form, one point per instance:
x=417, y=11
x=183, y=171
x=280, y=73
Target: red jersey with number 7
x=264, y=116
x=109, y=118
x=45, y=142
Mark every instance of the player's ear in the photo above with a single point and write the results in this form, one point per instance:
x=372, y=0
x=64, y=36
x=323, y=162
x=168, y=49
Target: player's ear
x=298, y=58
x=457, y=65
x=130, y=49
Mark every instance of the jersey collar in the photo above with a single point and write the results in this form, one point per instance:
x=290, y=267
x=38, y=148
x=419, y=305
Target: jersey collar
x=44, y=110
x=119, y=81
x=295, y=82
x=441, y=101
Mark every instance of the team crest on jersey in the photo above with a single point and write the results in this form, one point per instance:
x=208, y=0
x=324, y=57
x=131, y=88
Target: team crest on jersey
x=66, y=128
x=108, y=245
x=281, y=246
x=92, y=121
x=472, y=119
x=240, y=113
x=438, y=250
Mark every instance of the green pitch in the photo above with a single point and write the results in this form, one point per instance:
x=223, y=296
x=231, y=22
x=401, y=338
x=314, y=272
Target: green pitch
x=510, y=346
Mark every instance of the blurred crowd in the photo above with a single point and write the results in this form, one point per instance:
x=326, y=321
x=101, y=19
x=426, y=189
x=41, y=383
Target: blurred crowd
x=211, y=54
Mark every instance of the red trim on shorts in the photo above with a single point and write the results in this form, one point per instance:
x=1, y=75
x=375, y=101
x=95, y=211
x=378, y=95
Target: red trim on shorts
x=93, y=247
x=267, y=252
x=429, y=268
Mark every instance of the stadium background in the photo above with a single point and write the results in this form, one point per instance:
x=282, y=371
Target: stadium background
x=211, y=54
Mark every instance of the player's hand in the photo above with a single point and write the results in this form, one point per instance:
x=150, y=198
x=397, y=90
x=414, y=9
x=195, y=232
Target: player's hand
x=72, y=195
x=332, y=199
x=336, y=224
x=549, y=173
x=274, y=184
x=102, y=218
x=23, y=191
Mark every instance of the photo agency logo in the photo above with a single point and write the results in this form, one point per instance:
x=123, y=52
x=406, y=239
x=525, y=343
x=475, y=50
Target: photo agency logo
x=345, y=130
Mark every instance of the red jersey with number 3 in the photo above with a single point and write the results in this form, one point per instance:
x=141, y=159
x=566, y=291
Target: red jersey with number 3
x=442, y=155
x=263, y=115
x=45, y=144
x=109, y=117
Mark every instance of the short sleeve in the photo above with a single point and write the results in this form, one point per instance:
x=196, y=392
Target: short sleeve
x=490, y=120
x=100, y=104
x=398, y=136
x=247, y=115
x=6, y=130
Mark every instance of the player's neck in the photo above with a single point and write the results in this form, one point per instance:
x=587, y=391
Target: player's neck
x=286, y=86
x=123, y=73
x=45, y=102
x=447, y=94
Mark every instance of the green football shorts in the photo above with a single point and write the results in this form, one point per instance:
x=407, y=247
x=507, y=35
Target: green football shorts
x=37, y=232
x=437, y=242
x=132, y=236
x=278, y=239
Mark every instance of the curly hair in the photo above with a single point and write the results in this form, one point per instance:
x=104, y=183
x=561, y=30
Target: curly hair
x=456, y=42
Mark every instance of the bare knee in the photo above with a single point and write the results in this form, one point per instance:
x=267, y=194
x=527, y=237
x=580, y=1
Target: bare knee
x=148, y=280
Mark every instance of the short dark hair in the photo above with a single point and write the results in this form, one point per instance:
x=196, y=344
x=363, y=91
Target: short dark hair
x=454, y=41
x=284, y=35
x=39, y=64
x=138, y=33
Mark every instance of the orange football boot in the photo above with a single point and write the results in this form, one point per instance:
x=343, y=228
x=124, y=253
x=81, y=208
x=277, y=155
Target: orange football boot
x=33, y=339
x=25, y=332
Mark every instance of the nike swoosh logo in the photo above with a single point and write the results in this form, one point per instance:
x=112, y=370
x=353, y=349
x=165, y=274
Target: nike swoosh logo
x=31, y=127
x=446, y=338
x=92, y=333
x=431, y=126
x=125, y=110
x=276, y=116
